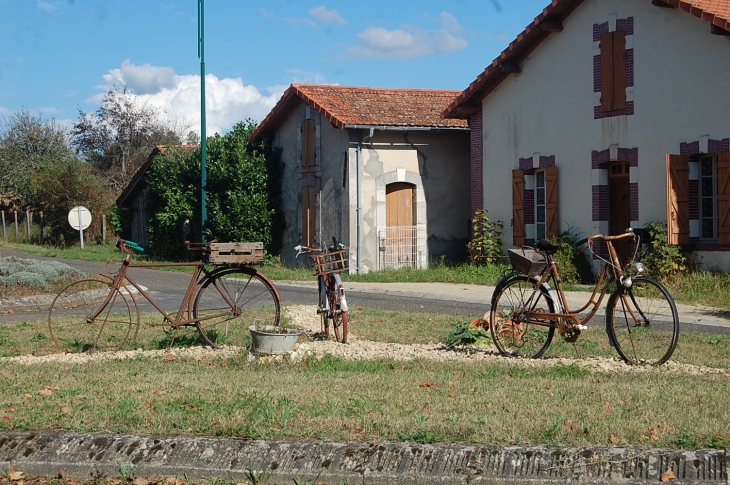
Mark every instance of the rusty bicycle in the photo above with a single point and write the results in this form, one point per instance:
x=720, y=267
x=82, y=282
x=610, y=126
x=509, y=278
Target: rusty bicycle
x=641, y=317
x=328, y=263
x=220, y=302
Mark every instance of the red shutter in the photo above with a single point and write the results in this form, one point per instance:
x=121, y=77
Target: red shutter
x=618, y=93
x=308, y=215
x=309, y=147
x=552, y=228
x=613, y=71
x=723, y=198
x=518, y=208
x=606, y=47
x=677, y=199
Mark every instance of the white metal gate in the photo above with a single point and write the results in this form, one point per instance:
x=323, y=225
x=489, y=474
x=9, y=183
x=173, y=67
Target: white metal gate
x=402, y=246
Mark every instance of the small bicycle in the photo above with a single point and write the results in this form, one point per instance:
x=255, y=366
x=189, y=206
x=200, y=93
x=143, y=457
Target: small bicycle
x=328, y=264
x=102, y=313
x=641, y=316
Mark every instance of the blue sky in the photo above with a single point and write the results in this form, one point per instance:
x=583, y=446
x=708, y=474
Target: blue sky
x=59, y=56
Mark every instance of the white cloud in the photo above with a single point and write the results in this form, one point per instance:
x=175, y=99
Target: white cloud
x=145, y=79
x=409, y=41
x=51, y=8
x=227, y=100
x=328, y=16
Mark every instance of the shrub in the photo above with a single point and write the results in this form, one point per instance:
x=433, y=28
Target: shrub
x=486, y=243
x=575, y=267
x=661, y=259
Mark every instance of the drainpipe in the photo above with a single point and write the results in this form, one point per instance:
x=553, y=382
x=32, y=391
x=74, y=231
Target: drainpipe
x=359, y=200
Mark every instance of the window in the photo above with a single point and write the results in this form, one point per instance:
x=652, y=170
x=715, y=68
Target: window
x=708, y=197
x=613, y=71
x=540, y=210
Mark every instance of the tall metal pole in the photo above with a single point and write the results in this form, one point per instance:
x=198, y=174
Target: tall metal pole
x=203, y=136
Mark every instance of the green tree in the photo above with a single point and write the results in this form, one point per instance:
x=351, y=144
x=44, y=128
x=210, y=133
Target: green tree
x=62, y=185
x=27, y=142
x=241, y=196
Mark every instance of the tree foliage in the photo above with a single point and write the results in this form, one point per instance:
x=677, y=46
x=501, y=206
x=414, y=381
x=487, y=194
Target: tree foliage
x=27, y=142
x=118, y=137
x=238, y=204
x=62, y=185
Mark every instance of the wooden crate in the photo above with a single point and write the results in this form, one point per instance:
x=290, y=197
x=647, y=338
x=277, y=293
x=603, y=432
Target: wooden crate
x=236, y=253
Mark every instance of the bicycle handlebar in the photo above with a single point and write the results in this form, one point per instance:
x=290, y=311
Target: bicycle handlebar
x=629, y=232
x=129, y=244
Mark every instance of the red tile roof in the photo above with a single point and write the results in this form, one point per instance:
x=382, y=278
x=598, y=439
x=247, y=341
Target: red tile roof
x=347, y=106
x=716, y=12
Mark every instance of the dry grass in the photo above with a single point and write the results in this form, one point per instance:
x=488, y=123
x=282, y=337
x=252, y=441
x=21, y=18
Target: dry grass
x=505, y=402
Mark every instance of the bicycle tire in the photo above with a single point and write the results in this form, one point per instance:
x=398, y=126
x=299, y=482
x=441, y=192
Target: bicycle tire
x=69, y=317
x=513, y=335
x=229, y=301
x=642, y=322
x=340, y=318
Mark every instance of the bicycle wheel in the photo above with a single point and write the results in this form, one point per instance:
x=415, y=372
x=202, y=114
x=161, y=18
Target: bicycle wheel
x=513, y=333
x=642, y=322
x=339, y=316
x=70, y=317
x=229, y=301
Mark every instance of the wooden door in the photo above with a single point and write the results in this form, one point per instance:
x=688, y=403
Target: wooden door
x=400, y=242
x=619, y=208
x=309, y=216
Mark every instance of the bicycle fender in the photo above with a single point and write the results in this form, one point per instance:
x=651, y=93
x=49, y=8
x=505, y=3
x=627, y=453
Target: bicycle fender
x=553, y=295
x=343, y=300
x=269, y=280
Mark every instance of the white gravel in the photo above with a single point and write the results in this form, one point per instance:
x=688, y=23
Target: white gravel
x=305, y=316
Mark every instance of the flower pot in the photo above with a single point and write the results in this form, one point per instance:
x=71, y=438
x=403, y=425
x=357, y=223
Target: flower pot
x=269, y=339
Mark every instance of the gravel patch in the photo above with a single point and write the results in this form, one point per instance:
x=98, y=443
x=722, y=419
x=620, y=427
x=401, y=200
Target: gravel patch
x=305, y=316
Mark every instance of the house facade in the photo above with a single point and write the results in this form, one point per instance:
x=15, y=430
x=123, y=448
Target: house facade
x=379, y=169
x=608, y=114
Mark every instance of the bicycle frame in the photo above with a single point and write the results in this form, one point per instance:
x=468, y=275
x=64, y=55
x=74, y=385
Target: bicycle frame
x=567, y=316
x=180, y=319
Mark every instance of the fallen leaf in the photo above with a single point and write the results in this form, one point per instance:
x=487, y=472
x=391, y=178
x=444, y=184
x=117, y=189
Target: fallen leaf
x=668, y=475
x=168, y=358
x=45, y=392
x=426, y=384
x=6, y=419
x=451, y=394
x=65, y=409
x=140, y=481
x=7, y=312
x=614, y=439
x=608, y=405
x=10, y=410
x=15, y=475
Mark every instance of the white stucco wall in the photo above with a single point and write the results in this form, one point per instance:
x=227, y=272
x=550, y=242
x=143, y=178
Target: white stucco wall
x=681, y=74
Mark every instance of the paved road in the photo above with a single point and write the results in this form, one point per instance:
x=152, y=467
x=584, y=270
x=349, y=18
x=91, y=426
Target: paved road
x=461, y=300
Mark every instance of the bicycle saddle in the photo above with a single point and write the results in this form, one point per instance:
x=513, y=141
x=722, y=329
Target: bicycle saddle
x=545, y=247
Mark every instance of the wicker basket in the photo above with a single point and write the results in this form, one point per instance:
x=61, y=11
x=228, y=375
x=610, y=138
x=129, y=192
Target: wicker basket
x=527, y=261
x=332, y=262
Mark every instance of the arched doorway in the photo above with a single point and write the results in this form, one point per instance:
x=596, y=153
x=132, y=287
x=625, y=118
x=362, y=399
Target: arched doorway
x=400, y=242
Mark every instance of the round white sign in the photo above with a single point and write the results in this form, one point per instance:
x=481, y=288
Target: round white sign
x=79, y=217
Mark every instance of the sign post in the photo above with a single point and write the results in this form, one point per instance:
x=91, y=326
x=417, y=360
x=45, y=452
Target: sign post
x=80, y=218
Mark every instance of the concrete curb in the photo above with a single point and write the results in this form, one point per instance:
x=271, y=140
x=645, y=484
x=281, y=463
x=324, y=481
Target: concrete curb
x=84, y=455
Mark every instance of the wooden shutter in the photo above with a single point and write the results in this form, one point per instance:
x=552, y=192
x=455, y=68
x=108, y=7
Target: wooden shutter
x=551, y=202
x=723, y=198
x=309, y=217
x=518, y=208
x=309, y=146
x=613, y=71
x=677, y=199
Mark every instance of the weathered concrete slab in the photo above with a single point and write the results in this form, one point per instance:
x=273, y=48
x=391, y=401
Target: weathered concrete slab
x=83, y=455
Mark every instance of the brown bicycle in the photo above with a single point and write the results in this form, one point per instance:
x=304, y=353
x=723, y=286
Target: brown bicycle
x=220, y=302
x=641, y=317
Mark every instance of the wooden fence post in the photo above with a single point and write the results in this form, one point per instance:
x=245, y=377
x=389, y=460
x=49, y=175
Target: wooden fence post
x=27, y=224
x=16, y=224
x=5, y=235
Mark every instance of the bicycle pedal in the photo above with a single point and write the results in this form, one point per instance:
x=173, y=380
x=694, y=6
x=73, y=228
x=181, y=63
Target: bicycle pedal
x=321, y=310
